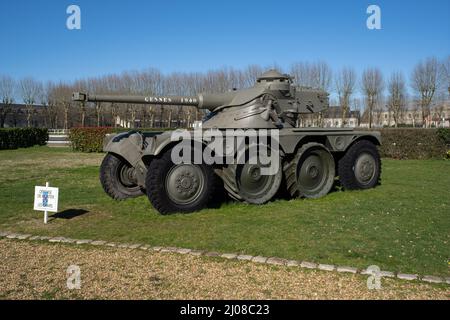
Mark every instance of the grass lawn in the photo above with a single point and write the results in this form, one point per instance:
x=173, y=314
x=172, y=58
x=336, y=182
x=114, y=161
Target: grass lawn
x=402, y=225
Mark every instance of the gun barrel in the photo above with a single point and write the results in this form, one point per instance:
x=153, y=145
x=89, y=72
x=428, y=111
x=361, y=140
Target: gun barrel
x=164, y=100
x=201, y=101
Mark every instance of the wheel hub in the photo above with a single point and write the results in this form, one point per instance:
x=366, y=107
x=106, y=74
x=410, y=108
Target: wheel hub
x=311, y=172
x=184, y=183
x=255, y=173
x=315, y=173
x=127, y=176
x=251, y=181
x=253, y=186
x=364, y=168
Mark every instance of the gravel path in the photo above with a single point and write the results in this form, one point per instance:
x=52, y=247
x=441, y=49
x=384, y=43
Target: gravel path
x=38, y=271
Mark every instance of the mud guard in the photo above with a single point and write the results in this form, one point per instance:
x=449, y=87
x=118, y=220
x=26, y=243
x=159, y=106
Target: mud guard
x=128, y=145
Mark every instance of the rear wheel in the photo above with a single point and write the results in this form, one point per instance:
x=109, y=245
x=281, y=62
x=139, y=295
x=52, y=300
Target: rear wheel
x=360, y=167
x=118, y=178
x=179, y=187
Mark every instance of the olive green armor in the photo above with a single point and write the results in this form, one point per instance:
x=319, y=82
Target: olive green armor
x=310, y=159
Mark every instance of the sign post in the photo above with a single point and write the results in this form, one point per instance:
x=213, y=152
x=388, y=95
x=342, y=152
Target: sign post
x=46, y=199
x=46, y=212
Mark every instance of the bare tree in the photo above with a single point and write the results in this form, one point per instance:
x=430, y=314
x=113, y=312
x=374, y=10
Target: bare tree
x=322, y=75
x=425, y=81
x=301, y=71
x=7, y=85
x=397, y=96
x=114, y=110
x=316, y=75
x=62, y=93
x=379, y=112
x=372, y=86
x=30, y=90
x=81, y=86
x=439, y=111
x=445, y=71
x=52, y=105
x=250, y=74
x=43, y=99
x=97, y=85
x=357, y=108
x=415, y=112
x=438, y=108
x=345, y=82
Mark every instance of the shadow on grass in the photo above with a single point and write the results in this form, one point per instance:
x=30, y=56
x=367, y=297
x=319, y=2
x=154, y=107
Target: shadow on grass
x=69, y=214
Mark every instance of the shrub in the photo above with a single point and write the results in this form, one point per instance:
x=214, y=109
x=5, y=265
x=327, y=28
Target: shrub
x=88, y=139
x=413, y=143
x=119, y=130
x=400, y=143
x=13, y=138
x=444, y=135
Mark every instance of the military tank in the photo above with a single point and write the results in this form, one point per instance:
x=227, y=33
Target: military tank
x=310, y=161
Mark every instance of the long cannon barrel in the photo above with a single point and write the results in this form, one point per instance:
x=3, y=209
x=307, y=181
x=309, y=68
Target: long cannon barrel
x=201, y=101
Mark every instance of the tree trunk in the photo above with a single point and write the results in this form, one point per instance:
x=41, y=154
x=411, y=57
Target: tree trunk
x=98, y=111
x=169, y=125
x=152, y=120
x=161, y=117
x=133, y=118
x=28, y=112
x=66, y=117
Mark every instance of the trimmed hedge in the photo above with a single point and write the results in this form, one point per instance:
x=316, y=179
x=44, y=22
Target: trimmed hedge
x=444, y=135
x=400, y=143
x=414, y=143
x=13, y=138
x=90, y=139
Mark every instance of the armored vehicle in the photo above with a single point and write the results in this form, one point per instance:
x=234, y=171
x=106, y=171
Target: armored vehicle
x=304, y=162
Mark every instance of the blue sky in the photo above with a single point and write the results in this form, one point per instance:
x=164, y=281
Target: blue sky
x=201, y=35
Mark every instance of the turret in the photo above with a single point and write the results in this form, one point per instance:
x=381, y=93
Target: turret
x=273, y=102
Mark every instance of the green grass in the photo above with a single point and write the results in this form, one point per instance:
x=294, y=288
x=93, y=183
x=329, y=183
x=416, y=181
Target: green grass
x=402, y=225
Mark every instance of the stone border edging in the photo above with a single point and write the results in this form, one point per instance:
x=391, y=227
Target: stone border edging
x=230, y=256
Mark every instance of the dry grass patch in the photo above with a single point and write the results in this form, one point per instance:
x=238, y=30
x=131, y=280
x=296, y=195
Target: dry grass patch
x=38, y=270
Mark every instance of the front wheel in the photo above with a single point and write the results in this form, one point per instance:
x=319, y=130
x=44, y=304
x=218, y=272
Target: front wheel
x=360, y=167
x=179, y=187
x=118, y=178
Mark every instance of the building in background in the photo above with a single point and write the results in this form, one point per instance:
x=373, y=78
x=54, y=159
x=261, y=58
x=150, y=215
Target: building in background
x=331, y=118
x=439, y=116
x=16, y=115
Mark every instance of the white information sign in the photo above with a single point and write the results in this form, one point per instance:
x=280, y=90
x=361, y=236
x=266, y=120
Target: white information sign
x=46, y=199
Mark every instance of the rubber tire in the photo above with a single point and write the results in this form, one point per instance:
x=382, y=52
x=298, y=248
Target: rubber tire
x=347, y=162
x=232, y=186
x=109, y=179
x=290, y=173
x=156, y=190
